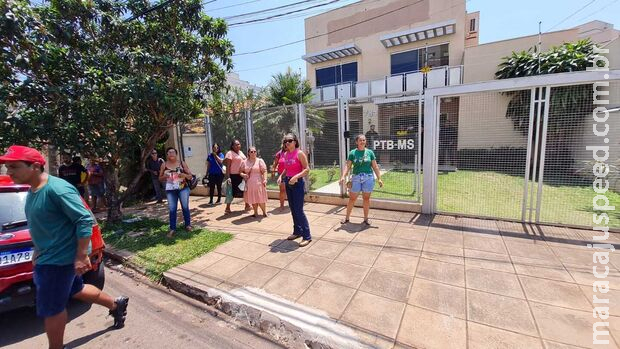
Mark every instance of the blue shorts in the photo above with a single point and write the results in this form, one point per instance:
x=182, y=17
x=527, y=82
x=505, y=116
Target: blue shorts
x=55, y=285
x=364, y=182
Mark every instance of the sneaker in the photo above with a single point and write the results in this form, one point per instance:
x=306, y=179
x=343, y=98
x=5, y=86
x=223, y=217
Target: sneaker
x=304, y=242
x=120, y=312
x=293, y=237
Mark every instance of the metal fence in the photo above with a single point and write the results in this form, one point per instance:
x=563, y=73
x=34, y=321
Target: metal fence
x=522, y=154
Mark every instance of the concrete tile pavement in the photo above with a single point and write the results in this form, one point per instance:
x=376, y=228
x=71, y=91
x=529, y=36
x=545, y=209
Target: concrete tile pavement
x=414, y=281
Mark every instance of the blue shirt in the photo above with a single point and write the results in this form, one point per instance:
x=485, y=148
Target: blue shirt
x=214, y=167
x=56, y=218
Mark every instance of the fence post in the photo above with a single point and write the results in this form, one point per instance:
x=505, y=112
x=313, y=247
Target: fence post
x=343, y=136
x=249, y=129
x=208, y=133
x=431, y=152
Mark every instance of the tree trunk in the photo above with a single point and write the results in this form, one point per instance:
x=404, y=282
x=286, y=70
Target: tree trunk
x=112, y=193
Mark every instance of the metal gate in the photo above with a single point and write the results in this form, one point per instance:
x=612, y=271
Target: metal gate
x=517, y=149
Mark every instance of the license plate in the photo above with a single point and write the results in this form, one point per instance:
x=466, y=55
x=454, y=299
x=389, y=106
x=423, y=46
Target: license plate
x=15, y=256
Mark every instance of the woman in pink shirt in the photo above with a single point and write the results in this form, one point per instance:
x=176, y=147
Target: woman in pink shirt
x=253, y=171
x=276, y=168
x=293, y=173
x=233, y=160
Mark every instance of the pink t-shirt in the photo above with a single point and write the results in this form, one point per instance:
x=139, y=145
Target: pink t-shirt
x=235, y=161
x=292, y=165
x=280, y=157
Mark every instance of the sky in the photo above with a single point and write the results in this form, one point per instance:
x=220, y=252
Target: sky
x=499, y=20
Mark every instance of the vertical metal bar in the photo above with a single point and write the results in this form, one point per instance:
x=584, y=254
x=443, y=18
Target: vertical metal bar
x=419, y=151
x=249, y=134
x=431, y=142
x=535, y=154
x=541, y=174
x=208, y=134
x=528, y=151
x=342, y=141
x=301, y=123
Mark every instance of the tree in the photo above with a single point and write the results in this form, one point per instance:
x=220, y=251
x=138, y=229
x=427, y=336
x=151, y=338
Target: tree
x=111, y=88
x=569, y=105
x=227, y=111
x=284, y=92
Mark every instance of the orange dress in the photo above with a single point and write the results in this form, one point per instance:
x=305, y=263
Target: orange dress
x=255, y=191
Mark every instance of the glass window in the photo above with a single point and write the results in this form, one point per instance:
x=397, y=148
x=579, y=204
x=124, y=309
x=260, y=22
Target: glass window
x=472, y=25
x=336, y=74
x=405, y=62
x=437, y=56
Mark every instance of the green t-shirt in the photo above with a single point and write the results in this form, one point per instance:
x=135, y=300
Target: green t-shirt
x=56, y=218
x=362, y=160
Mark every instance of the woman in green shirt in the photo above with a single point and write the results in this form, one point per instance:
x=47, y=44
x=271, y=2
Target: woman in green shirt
x=363, y=162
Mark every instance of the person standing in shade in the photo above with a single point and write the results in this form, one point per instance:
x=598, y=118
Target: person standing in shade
x=96, y=188
x=215, y=172
x=233, y=160
x=60, y=227
x=72, y=172
x=293, y=173
x=253, y=170
x=153, y=165
x=276, y=169
x=363, y=162
x=176, y=173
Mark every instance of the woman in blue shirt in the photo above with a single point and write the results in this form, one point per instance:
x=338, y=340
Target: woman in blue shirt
x=215, y=161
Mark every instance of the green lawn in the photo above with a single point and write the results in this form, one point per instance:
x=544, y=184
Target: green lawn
x=491, y=194
x=156, y=253
x=321, y=178
x=499, y=195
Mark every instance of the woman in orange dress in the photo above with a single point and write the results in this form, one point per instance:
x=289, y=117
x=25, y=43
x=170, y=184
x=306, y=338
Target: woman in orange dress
x=253, y=170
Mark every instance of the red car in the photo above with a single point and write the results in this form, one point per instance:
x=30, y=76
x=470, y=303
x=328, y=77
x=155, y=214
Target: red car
x=16, y=249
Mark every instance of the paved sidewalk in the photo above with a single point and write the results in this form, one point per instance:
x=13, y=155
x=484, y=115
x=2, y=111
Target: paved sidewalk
x=414, y=280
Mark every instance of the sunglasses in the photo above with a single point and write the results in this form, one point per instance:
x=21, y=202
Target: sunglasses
x=288, y=141
x=252, y=151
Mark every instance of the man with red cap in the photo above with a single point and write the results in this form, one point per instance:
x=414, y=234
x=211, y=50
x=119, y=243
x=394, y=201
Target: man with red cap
x=60, y=226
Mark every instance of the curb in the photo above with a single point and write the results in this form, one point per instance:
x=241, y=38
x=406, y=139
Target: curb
x=277, y=329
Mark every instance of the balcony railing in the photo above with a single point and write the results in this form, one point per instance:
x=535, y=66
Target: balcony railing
x=395, y=85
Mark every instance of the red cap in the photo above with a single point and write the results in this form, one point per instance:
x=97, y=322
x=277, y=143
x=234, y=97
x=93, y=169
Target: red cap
x=21, y=153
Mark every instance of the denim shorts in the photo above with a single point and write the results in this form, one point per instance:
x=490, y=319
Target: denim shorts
x=55, y=285
x=364, y=182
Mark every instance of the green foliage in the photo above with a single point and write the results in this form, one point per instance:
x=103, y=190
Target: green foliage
x=569, y=105
x=289, y=88
x=82, y=78
x=560, y=59
x=156, y=253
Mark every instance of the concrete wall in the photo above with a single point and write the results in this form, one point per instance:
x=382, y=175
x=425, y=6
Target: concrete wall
x=196, y=161
x=481, y=61
x=374, y=61
x=483, y=122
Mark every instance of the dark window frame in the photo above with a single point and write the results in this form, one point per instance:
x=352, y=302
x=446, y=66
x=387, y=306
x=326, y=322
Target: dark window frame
x=442, y=49
x=341, y=73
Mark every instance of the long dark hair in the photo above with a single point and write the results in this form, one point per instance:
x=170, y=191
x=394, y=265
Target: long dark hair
x=294, y=137
x=217, y=147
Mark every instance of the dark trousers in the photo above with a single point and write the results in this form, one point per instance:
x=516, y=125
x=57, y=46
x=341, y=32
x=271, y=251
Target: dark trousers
x=295, y=195
x=215, y=181
x=157, y=187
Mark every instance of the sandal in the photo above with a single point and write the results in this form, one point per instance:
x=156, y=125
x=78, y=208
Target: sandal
x=344, y=221
x=170, y=234
x=366, y=222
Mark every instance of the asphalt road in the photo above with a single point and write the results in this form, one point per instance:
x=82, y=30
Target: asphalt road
x=157, y=318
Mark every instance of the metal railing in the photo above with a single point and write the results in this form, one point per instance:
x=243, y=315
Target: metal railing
x=412, y=82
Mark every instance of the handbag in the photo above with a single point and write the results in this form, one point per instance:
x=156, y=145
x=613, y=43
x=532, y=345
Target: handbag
x=192, y=183
x=229, y=193
x=205, y=181
x=242, y=185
